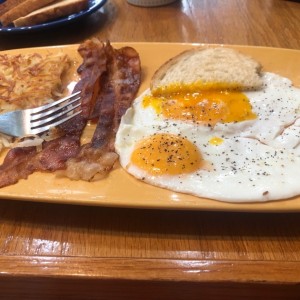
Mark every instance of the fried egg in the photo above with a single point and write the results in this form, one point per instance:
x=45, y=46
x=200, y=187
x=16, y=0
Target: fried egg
x=223, y=145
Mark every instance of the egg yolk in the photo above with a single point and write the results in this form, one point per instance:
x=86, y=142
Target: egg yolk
x=166, y=154
x=209, y=106
x=216, y=141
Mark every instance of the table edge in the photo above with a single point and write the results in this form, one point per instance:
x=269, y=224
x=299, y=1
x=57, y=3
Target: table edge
x=275, y=272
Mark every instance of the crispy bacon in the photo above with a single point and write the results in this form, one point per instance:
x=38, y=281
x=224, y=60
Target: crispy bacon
x=21, y=162
x=120, y=85
x=109, y=81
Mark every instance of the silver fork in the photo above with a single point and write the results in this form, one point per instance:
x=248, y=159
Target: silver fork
x=40, y=119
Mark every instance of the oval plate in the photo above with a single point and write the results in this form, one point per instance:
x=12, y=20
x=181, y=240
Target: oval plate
x=93, y=5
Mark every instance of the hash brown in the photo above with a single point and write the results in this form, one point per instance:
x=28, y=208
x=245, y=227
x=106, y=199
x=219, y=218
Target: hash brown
x=30, y=80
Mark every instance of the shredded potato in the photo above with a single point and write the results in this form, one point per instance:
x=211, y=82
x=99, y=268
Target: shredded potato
x=30, y=80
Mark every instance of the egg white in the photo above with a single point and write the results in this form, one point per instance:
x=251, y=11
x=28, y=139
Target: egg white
x=257, y=160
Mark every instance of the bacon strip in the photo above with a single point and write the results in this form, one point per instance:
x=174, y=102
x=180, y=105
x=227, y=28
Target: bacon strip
x=21, y=162
x=121, y=84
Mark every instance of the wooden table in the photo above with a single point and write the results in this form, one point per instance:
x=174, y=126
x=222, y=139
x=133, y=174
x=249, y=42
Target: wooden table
x=59, y=251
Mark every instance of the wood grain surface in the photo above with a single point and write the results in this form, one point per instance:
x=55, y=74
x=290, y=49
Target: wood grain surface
x=50, y=251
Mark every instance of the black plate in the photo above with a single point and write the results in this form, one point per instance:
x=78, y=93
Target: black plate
x=93, y=5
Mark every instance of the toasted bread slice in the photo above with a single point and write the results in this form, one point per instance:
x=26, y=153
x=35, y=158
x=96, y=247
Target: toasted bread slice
x=22, y=9
x=52, y=11
x=207, y=68
x=9, y=4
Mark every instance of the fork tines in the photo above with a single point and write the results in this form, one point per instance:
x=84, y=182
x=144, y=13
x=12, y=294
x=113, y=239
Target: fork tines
x=44, y=117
